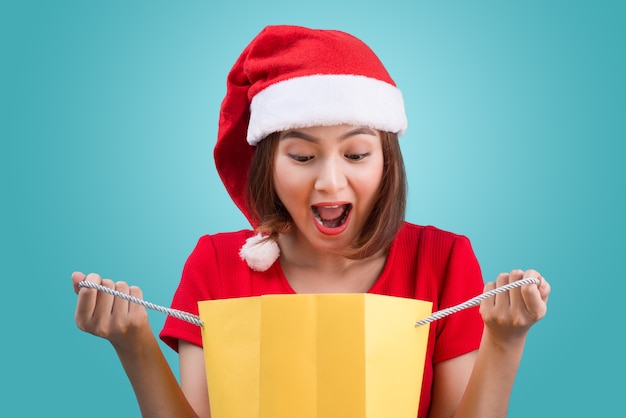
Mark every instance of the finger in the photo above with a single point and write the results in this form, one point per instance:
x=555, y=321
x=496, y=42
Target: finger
x=77, y=277
x=515, y=295
x=489, y=287
x=543, y=286
x=135, y=309
x=487, y=304
x=104, y=301
x=86, y=300
x=137, y=293
x=544, y=289
x=120, y=306
x=532, y=298
x=502, y=299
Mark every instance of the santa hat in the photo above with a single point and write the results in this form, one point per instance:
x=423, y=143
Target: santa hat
x=294, y=77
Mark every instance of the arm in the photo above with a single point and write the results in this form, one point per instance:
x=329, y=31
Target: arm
x=480, y=384
x=193, y=377
x=125, y=325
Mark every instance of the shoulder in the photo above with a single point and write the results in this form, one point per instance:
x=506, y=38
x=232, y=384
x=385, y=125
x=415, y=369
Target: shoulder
x=221, y=244
x=424, y=259
x=225, y=238
x=216, y=263
x=428, y=236
x=435, y=257
x=213, y=252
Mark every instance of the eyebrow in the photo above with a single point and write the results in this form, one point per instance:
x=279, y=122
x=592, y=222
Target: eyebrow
x=364, y=130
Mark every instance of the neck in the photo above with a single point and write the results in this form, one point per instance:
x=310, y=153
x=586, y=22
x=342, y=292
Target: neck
x=297, y=251
x=311, y=270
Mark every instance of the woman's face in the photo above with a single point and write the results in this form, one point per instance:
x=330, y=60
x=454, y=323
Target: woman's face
x=328, y=178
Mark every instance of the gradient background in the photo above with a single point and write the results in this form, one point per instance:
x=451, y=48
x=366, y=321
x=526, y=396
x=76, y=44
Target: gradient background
x=109, y=116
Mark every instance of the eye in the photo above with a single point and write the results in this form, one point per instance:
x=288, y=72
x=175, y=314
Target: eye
x=357, y=157
x=301, y=158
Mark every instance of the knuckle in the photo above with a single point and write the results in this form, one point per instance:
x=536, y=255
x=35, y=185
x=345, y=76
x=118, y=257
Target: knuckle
x=121, y=286
x=94, y=277
x=107, y=283
x=502, y=278
x=519, y=321
x=531, y=273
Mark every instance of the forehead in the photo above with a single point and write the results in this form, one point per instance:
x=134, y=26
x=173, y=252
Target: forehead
x=340, y=132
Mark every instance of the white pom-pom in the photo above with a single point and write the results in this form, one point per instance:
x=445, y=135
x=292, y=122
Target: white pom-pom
x=260, y=253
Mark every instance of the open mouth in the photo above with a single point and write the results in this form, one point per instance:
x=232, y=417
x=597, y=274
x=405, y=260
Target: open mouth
x=331, y=216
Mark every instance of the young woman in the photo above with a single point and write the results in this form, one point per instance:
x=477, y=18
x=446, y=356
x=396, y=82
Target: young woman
x=308, y=150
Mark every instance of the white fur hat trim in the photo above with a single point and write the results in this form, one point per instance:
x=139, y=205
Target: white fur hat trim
x=259, y=252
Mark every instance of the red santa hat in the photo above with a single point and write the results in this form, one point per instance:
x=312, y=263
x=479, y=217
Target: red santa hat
x=294, y=77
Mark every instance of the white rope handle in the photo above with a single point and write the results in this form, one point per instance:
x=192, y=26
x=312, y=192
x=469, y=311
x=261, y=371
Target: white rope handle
x=475, y=301
x=185, y=316
x=195, y=320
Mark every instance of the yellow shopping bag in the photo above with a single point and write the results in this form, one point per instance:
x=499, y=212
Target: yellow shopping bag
x=317, y=356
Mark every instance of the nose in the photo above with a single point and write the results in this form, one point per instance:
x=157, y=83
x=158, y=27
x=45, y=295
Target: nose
x=331, y=177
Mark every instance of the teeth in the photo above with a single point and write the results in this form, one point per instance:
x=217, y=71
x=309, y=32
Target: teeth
x=342, y=219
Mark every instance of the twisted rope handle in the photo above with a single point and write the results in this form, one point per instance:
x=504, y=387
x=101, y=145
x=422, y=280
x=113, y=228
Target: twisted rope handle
x=475, y=301
x=195, y=320
x=185, y=316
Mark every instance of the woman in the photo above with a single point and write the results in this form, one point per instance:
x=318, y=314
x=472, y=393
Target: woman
x=308, y=150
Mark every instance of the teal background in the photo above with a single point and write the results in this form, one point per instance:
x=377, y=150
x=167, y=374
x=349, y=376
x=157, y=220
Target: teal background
x=109, y=115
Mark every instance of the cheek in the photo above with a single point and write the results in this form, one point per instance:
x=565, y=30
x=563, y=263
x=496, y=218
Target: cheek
x=369, y=190
x=369, y=181
x=288, y=182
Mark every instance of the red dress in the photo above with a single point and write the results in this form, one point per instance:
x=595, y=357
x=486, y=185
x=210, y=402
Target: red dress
x=424, y=263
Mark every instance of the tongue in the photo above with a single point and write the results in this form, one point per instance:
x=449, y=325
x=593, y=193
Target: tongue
x=330, y=214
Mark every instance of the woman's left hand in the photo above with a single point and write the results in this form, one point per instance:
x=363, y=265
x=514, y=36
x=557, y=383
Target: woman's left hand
x=509, y=315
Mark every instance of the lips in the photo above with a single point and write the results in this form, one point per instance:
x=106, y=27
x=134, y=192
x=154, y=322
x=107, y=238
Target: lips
x=331, y=219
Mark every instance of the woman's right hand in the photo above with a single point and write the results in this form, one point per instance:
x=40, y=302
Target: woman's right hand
x=125, y=324
x=115, y=319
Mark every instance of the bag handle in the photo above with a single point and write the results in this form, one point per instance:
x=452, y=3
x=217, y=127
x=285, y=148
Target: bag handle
x=195, y=320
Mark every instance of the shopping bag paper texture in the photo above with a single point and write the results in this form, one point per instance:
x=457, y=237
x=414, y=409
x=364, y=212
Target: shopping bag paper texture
x=314, y=356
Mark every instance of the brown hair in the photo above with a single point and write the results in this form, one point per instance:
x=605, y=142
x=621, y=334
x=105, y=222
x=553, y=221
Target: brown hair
x=382, y=224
